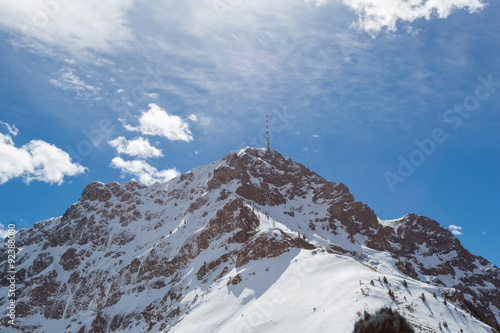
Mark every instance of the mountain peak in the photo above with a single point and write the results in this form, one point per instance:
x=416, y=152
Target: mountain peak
x=268, y=178
x=255, y=155
x=233, y=232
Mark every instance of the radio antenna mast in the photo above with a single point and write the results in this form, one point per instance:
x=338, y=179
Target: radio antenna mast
x=268, y=142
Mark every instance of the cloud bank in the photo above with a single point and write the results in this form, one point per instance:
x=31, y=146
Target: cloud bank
x=377, y=15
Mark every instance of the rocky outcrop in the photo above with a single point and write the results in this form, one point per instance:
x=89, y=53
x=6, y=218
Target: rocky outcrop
x=426, y=251
x=270, y=245
x=96, y=191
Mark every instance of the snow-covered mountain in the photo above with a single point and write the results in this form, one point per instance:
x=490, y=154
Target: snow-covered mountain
x=254, y=242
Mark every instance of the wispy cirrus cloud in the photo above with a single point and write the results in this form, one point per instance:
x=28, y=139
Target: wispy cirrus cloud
x=103, y=26
x=145, y=173
x=12, y=129
x=255, y=36
x=67, y=80
x=153, y=95
x=74, y=27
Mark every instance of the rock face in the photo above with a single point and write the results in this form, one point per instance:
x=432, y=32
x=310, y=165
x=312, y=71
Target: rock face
x=124, y=257
x=425, y=251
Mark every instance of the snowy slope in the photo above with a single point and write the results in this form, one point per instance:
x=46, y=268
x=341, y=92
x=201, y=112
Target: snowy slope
x=253, y=242
x=307, y=292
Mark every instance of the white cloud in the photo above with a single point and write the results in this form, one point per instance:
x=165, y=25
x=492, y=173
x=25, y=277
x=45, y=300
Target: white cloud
x=145, y=173
x=193, y=118
x=377, y=15
x=153, y=95
x=315, y=136
x=137, y=147
x=72, y=26
x=455, y=230
x=119, y=91
x=157, y=121
x=12, y=129
x=68, y=81
x=3, y=232
x=37, y=160
x=483, y=233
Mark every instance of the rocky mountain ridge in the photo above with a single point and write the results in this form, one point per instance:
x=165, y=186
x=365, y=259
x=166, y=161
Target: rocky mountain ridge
x=130, y=258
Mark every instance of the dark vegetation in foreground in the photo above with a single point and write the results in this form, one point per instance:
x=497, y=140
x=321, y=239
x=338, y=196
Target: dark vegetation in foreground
x=384, y=320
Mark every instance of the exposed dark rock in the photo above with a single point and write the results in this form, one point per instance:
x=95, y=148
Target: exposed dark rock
x=269, y=246
x=69, y=260
x=96, y=191
x=234, y=281
x=99, y=324
x=42, y=261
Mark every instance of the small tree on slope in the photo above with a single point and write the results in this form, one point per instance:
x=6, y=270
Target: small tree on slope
x=384, y=320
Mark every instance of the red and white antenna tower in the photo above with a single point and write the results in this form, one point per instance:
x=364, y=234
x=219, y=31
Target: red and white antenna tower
x=268, y=142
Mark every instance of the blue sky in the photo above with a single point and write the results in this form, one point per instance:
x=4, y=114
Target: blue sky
x=399, y=102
